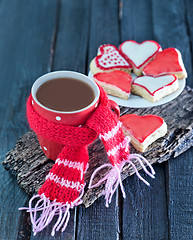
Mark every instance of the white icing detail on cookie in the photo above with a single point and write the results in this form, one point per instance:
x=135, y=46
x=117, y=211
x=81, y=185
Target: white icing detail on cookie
x=111, y=58
x=153, y=84
x=139, y=53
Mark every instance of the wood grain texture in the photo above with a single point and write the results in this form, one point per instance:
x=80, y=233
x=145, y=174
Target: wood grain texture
x=175, y=33
x=71, y=43
x=69, y=53
x=25, y=51
x=136, y=22
x=68, y=234
x=188, y=6
x=98, y=222
x=141, y=220
x=140, y=214
x=104, y=25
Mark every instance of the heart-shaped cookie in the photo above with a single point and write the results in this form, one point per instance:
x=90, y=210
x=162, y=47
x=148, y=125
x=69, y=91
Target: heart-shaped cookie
x=143, y=130
x=108, y=59
x=155, y=88
x=116, y=83
x=169, y=61
x=139, y=54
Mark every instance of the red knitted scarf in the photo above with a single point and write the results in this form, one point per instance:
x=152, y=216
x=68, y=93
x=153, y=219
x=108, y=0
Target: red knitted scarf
x=64, y=185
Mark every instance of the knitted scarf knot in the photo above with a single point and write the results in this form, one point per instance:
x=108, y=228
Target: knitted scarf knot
x=64, y=185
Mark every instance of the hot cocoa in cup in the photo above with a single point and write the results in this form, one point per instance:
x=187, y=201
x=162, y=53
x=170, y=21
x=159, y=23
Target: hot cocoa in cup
x=63, y=97
x=67, y=98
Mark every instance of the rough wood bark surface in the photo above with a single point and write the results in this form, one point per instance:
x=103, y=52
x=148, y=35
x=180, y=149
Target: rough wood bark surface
x=30, y=166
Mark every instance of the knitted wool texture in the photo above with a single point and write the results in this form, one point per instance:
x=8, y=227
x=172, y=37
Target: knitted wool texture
x=65, y=180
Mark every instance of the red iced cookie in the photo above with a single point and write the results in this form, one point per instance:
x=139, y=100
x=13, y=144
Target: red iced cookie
x=143, y=130
x=169, y=61
x=108, y=59
x=116, y=83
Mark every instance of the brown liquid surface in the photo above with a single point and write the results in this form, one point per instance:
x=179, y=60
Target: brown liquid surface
x=65, y=94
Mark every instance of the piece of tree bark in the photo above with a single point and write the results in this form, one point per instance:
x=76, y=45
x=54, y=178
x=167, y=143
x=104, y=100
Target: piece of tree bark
x=30, y=166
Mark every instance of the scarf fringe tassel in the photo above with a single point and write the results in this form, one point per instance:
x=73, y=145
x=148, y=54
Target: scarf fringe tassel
x=113, y=177
x=45, y=210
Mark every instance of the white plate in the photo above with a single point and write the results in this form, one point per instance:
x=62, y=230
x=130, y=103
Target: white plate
x=135, y=101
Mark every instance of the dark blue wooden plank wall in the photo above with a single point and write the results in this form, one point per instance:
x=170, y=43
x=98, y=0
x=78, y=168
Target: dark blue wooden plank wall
x=172, y=30
x=144, y=205
x=41, y=36
x=25, y=43
x=104, y=28
x=69, y=53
